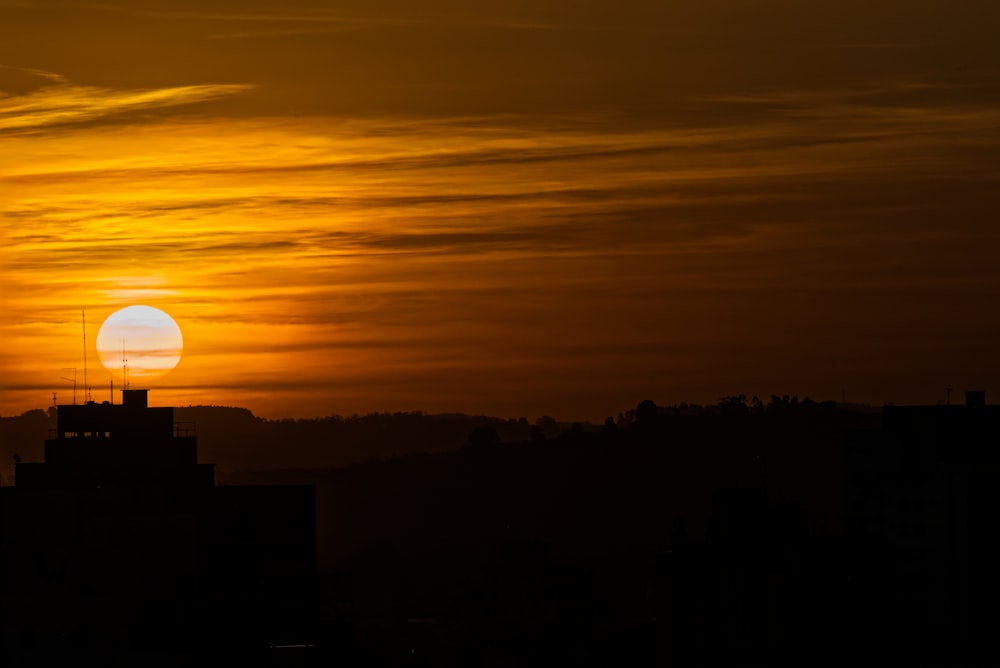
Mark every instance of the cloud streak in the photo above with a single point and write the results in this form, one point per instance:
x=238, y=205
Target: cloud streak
x=62, y=103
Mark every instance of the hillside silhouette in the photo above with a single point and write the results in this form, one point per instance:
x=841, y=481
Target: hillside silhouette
x=234, y=438
x=547, y=548
x=587, y=488
x=23, y=437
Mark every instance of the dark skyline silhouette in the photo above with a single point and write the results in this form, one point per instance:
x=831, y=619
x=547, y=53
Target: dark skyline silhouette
x=742, y=533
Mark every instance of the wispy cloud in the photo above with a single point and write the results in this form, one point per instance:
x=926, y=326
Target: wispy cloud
x=43, y=74
x=62, y=102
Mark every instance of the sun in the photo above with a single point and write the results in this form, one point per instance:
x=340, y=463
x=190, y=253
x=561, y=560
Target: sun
x=141, y=343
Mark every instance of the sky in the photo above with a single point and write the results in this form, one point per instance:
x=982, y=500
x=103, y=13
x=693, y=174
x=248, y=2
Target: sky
x=511, y=208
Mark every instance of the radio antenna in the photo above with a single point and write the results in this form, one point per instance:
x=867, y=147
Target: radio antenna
x=73, y=369
x=86, y=388
x=124, y=367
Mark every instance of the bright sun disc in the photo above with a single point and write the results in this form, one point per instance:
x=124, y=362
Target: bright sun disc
x=146, y=337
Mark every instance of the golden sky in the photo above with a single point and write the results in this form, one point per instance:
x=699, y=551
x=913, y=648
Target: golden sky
x=514, y=208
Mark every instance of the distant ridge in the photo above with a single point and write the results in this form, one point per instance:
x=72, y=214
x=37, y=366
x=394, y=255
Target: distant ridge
x=234, y=438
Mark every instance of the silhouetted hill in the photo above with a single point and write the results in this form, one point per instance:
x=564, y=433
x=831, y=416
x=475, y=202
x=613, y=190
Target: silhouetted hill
x=23, y=435
x=503, y=545
x=233, y=438
x=584, y=491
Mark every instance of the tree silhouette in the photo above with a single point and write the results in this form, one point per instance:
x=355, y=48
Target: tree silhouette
x=646, y=412
x=482, y=437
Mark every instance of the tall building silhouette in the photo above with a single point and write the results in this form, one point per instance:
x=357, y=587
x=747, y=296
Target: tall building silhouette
x=923, y=495
x=119, y=545
x=758, y=590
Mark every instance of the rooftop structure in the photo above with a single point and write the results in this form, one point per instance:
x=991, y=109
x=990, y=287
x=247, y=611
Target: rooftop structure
x=117, y=445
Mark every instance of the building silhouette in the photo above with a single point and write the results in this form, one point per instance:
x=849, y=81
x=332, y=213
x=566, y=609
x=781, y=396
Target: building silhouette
x=923, y=496
x=120, y=546
x=761, y=589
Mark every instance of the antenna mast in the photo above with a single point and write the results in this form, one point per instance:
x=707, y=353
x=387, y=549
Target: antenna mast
x=86, y=388
x=124, y=368
x=72, y=379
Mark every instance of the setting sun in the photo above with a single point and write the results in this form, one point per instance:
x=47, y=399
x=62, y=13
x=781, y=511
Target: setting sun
x=141, y=343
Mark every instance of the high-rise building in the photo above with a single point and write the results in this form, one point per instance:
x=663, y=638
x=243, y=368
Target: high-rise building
x=923, y=495
x=120, y=546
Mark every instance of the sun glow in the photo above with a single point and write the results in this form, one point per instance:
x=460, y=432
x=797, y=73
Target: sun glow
x=141, y=343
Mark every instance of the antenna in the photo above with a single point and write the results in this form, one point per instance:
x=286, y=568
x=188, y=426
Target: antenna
x=72, y=379
x=86, y=389
x=124, y=367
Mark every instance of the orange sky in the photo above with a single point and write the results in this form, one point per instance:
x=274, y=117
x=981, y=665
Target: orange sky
x=503, y=207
